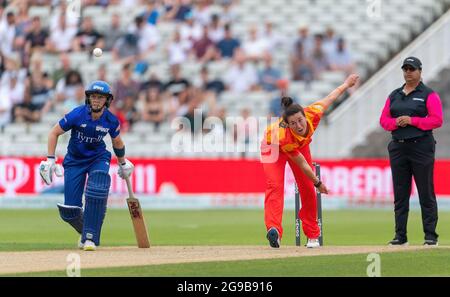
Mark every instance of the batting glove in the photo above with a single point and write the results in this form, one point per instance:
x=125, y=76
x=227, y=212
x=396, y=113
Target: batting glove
x=48, y=168
x=125, y=169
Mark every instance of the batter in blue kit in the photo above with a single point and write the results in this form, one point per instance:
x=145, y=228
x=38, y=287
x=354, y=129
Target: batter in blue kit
x=87, y=159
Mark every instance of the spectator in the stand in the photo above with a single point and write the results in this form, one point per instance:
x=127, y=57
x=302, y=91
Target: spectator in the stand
x=153, y=110
x=341, y=58
x=125, y=86
x=178, y=50
x=219, y=131
x=36, y=39
x=152, y=82
x=177, y=84
x=41, y=86
x=61, y=37
x=101, y=73
x=228, y=44
x=273, y=39
x=302, y=67
x=319, y=58
x=178, y=10
x=151, y=13
x=61, y=10
x=64, y=70
x=113, y=32
x=204, y=49
x=228, y=14
x=148, y=35
x=269, y=75
x=8, y=34
x=241, y=76
x=216, y=30
x=202, y=12
x=212, y=85
x=129, y=109
x=178, y=91
x=305, y=39
x=26, y=111
x=126, y=49
x=275, y=108
x=68, y=87
x=23, y=26
x=330, y=42
x=191, y=30
x=12, y=93
x=187, y=110
x=255, y=47
x=23, y=19
x=87, y=37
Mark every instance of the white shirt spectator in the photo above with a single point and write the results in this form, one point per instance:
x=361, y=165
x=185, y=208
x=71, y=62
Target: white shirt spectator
x=62, y=40
x=148, y=36
x=216, y=34
x=192, y=33
x=255, y=48
x=179, y=51
x=329, y=46
x=7, y=34
x=241, y=79
x=203, y=16
x=341, y=58
x=71, y=20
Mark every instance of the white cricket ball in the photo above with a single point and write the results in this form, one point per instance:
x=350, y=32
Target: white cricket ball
x=97, y=52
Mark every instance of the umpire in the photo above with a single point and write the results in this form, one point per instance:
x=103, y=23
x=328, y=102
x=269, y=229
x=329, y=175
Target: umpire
x=411, y=113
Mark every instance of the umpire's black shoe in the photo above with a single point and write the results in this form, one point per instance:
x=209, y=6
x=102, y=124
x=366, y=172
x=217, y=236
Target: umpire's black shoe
x=273, y=237
x=397, y=241
x=431, y=242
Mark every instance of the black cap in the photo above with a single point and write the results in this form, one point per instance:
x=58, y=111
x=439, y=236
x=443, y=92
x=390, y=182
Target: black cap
x=412, y=61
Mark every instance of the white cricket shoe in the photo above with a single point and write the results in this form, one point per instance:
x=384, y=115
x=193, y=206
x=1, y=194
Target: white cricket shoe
x=89, y=246
x=313, y=243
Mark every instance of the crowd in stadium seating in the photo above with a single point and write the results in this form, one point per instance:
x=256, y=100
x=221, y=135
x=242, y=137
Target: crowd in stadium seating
x=27, y=91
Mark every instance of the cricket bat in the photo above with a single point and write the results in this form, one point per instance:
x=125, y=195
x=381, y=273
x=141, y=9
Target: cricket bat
x=137, y=217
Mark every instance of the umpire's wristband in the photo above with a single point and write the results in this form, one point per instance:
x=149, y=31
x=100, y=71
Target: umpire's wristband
x=319, y=183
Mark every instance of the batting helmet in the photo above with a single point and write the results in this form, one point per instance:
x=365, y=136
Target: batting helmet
x=99, y=87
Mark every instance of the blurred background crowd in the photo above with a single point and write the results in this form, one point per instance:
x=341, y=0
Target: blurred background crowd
x=203, y=35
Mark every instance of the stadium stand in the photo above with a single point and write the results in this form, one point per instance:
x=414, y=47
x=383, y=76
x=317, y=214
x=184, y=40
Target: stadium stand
x=371, y=45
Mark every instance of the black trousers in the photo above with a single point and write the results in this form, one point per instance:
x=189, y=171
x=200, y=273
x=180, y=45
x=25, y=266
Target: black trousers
x=408, y=159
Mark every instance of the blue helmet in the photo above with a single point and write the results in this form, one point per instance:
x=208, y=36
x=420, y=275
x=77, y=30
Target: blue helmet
x=99, y=87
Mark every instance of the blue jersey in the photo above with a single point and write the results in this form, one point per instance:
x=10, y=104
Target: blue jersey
x=86, y=139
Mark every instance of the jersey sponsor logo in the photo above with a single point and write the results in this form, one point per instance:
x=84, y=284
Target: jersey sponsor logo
x=101, y=129
x=418, y=99
x=83, y=125
x=83, y=138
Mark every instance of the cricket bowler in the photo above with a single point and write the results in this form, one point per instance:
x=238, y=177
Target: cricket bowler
x=287, y=141
x=87, y=158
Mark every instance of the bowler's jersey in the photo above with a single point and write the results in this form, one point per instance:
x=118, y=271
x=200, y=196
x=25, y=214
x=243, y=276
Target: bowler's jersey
x=86, y=139
x=290, y=143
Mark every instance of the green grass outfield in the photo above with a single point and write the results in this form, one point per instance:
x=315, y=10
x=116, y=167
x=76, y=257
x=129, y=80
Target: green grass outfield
x=25, y=230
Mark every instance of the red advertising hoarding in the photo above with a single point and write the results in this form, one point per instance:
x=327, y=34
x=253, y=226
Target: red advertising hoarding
x=357, y=178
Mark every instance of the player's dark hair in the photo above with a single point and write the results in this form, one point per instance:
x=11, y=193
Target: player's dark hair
x=290, y=108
